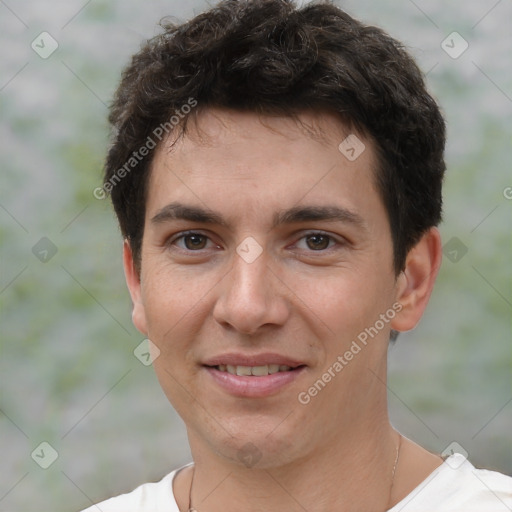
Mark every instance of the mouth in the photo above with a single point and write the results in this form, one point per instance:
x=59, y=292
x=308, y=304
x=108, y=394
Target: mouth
x=255, y=371
x=253, y=376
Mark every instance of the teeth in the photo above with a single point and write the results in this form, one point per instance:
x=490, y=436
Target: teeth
x=243, y=370
x=259, y=371
x=273, y=368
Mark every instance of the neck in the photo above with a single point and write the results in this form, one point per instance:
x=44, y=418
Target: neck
x=350, y=472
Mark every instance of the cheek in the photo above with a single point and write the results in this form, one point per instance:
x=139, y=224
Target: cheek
x=332, y=294
x=345, y=303
x=169, y=287
x=169, y=301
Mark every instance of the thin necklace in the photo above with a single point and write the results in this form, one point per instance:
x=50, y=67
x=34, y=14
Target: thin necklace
x=394, y=470
x=397, y=457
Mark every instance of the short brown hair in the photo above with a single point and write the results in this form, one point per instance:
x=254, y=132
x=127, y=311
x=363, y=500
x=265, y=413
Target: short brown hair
x=270, y=57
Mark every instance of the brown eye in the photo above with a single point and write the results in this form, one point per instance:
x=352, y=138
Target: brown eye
x=194, y=241
x=318, y=242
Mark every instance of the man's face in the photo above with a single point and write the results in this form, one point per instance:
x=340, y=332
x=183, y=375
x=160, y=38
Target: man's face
x=294, y=264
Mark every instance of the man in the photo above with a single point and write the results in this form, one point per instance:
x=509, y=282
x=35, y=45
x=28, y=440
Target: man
x=277, y=174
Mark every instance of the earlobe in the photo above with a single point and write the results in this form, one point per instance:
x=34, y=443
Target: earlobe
x=133, y=282
x=415, y=283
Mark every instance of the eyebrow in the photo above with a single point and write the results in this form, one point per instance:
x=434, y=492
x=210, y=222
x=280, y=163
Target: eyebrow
x=179, y=211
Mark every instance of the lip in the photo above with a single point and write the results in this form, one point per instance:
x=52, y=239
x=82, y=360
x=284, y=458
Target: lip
x=235, y=359
x=253, y=387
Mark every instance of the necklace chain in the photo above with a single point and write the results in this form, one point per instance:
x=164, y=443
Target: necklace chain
x=192, y=509
x=393, y=472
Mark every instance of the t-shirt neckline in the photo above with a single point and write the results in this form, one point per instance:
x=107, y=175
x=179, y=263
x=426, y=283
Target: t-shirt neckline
x=395, y=508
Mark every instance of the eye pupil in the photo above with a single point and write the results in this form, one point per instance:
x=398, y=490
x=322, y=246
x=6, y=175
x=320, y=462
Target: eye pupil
x=319, y=241
x=197, y=241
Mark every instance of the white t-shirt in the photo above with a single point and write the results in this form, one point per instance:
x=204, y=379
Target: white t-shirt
x=455, y=486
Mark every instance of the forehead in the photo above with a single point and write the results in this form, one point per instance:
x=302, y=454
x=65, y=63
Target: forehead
x=219, y=128
x=228, y=158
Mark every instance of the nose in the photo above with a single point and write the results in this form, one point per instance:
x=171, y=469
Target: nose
x=251, y=296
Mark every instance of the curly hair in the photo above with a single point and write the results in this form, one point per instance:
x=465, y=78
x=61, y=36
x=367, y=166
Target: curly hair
x=271, y=57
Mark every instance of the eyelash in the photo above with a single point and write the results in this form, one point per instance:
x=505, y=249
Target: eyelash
x=183, y=235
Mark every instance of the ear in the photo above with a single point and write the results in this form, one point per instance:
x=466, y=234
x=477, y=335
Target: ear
x=415, y=283
x=133, y=281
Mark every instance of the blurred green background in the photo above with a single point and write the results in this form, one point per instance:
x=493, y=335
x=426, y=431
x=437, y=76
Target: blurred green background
x=68, y=375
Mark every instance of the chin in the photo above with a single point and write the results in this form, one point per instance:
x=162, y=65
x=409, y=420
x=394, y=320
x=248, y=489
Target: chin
x=254, y=443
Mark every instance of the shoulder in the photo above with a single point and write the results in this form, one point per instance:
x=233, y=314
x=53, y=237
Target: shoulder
x=457, y=486
x=148, y=497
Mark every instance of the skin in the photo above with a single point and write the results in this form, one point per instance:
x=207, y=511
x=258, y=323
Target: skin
x=303, y=297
